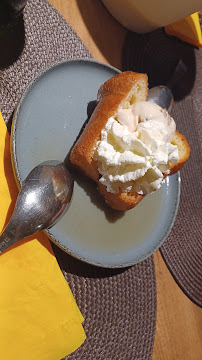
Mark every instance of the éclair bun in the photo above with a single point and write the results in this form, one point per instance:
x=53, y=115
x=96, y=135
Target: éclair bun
x=125, y=88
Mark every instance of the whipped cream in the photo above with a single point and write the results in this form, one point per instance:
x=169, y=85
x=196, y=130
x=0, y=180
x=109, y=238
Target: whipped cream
x=135, y=149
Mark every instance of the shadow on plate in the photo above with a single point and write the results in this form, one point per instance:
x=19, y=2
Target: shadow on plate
x=74, y=266
x=88, y=185
x=157, y=55
x=90, y=188
x=12, y=41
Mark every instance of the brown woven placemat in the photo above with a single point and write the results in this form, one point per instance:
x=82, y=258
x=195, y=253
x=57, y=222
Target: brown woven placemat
x=157, y=55
x=119, y=306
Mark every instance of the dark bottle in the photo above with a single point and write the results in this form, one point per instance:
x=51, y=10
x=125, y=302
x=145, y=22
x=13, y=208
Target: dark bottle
x=10, y=10
x=12, y=32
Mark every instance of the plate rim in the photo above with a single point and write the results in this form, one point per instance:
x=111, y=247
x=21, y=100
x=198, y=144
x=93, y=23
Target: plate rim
x=19, y=180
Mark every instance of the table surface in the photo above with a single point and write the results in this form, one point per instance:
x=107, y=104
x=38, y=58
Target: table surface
x=179, y=320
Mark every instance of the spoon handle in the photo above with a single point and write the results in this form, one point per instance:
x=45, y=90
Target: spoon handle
x=8, y=238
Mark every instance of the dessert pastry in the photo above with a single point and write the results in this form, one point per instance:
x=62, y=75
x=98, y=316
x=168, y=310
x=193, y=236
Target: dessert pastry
x=129, y=144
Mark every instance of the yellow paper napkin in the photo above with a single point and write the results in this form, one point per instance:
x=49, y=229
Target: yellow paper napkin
x=187, y=29
x=39, y=318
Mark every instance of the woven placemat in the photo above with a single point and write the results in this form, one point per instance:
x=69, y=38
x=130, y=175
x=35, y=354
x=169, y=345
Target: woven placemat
x=158, y=55
x=119, y=306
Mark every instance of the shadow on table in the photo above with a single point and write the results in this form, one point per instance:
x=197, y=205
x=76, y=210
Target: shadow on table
x=157, y=55
x=12, y=40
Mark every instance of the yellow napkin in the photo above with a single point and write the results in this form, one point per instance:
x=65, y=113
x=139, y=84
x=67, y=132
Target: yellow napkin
x=39, y=318
x=187, y=29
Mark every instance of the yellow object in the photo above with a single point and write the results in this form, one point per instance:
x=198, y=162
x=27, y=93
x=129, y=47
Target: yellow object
x=39, y=318
x=187, y=29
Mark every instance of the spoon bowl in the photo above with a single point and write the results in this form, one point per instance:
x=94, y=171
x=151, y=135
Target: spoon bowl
x=44, y=198
x=162, y=96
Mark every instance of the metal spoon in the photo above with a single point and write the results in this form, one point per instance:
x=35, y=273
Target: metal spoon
x=162, y=96
x=43, y=199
